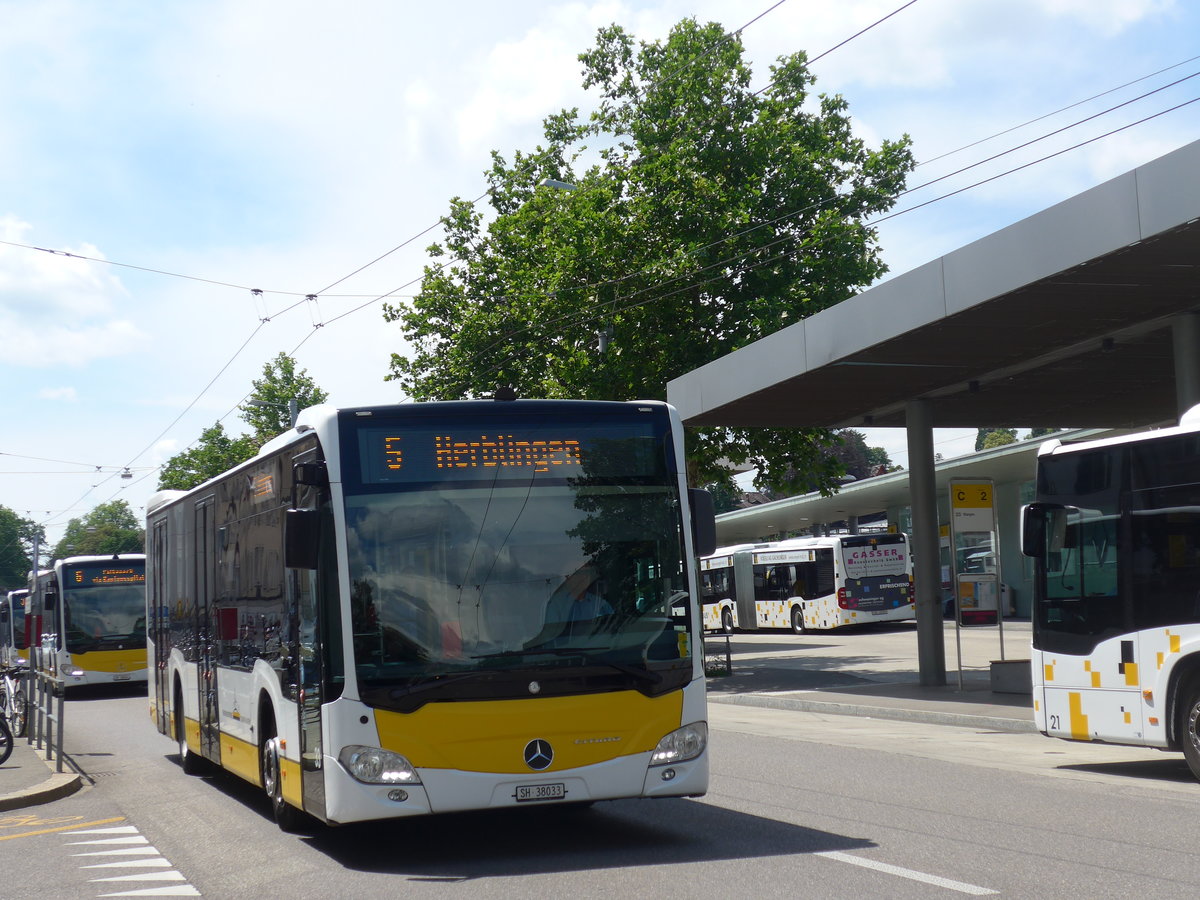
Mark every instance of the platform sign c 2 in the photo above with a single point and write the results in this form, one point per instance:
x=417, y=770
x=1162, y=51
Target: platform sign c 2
x=973, y=545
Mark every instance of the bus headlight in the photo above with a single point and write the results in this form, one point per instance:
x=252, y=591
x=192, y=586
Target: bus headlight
x=681, y=744
x=372, y=765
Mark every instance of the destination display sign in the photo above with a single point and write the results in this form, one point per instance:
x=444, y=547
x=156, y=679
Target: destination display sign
x=88, y=576
x=399, y=454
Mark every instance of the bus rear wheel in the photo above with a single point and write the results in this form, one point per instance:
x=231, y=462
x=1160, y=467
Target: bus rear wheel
x=191, y=763
x=727, y=621
x=798, y=620
x=1190, y=727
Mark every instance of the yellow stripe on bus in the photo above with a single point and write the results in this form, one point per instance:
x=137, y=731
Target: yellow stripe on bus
x=490, y=736
x=1079, y=722
x=111, y=660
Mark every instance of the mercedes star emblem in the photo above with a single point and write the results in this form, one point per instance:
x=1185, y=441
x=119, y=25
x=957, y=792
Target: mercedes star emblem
x=538, y=754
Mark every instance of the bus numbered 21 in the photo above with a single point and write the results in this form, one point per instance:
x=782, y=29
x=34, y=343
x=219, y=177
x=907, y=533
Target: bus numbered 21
x=94, y=608
x=1114, y=533
x=808, y=584
x=402, y=610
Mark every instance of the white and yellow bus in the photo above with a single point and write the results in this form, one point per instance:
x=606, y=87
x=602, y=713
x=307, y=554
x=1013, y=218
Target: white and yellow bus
x=14, y=640
x=809, y=584
x=95, y=609
x=1115, y=536
x=401, y=610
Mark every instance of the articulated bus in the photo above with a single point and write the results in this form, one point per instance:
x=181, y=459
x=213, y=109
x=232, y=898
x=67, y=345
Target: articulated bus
x=1115, y=536
x=14, y=641
x=809, y=584
x=401, y=610
x=95, y=608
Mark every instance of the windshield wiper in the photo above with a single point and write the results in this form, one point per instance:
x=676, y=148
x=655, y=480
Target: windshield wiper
x=587, y=653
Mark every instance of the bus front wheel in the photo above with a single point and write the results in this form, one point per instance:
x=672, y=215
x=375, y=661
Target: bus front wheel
x=727, y=621
x=798, y=620
x=287, y=817
x=1190, y=726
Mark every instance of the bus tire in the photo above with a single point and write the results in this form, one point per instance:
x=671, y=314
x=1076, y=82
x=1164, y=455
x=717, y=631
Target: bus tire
x=727, y=620
x=798, y=620
x=191, y=763
x=1189, y=726
x=287, y=817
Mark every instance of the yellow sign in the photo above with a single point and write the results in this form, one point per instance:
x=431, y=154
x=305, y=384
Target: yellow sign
x=971, y=496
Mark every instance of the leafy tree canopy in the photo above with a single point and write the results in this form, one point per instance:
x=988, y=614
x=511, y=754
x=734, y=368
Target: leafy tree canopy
x=987, y=438
x=280, y=388
x=213, y=454
x=704, y=216
x=109, y=528
x=16, y=548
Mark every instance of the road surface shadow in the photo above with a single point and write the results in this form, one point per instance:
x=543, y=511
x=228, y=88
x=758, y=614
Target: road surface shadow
x=1169, y=768
x=456, y=847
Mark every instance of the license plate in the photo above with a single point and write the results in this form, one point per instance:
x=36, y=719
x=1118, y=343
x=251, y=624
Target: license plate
x=122, y=677
x=553, y=791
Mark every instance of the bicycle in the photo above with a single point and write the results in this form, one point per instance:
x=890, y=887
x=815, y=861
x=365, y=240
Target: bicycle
x=6, y=741
x=12, y=700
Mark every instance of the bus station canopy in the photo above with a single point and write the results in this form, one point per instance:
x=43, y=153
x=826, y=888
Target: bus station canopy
x=1062, y=320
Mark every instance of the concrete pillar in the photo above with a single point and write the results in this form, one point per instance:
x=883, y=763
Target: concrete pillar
x=931, y=647
x=852, y=524
x=1185, y=341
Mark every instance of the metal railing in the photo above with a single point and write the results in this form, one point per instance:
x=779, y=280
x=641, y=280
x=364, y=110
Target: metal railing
x=45, y=693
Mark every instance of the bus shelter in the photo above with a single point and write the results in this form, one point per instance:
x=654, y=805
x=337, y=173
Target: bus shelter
x=1084, y=315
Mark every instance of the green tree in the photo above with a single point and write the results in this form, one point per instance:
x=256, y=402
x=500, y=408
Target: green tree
x=213, y=454
x=1040, y=432
x=16, y=548
x=987, y=438
x=108, y=528
x=279, y=388
x=705, y=215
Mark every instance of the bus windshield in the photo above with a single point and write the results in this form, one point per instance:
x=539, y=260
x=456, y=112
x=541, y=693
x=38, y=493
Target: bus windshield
x=458, y=580
x=104, y=606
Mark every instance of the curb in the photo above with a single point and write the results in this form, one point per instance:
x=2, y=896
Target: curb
x=925, y=716
x=57, y=786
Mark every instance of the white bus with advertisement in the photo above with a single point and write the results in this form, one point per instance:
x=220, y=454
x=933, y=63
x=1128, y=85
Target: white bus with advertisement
x=809, y=584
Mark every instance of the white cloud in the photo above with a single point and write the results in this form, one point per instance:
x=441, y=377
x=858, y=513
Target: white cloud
x=63, y=393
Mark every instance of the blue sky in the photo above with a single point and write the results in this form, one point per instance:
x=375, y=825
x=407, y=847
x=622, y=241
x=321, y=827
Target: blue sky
x=280, y=146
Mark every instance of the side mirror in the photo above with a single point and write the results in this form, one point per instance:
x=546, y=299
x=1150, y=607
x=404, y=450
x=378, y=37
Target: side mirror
x=704, y=522
x=1033, y=530
x=301, y=538
x=313, y=474
x=50, y=600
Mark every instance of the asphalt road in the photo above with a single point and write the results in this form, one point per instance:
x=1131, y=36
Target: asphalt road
x=801, y=804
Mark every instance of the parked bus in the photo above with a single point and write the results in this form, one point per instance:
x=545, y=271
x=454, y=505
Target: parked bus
x=14, y=642
x=1115, y=536
x=95, y=608
x=401, y=610
x=809, y=584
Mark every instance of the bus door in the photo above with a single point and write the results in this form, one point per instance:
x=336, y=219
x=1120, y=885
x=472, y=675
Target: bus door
x=308, y=638
x=158, y=627
x=743, y=589
x=1089, y=662
x=206, y=613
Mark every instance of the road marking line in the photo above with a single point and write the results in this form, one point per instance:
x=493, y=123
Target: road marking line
x=167, y=890
x=9, y=837
x=960, y=886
